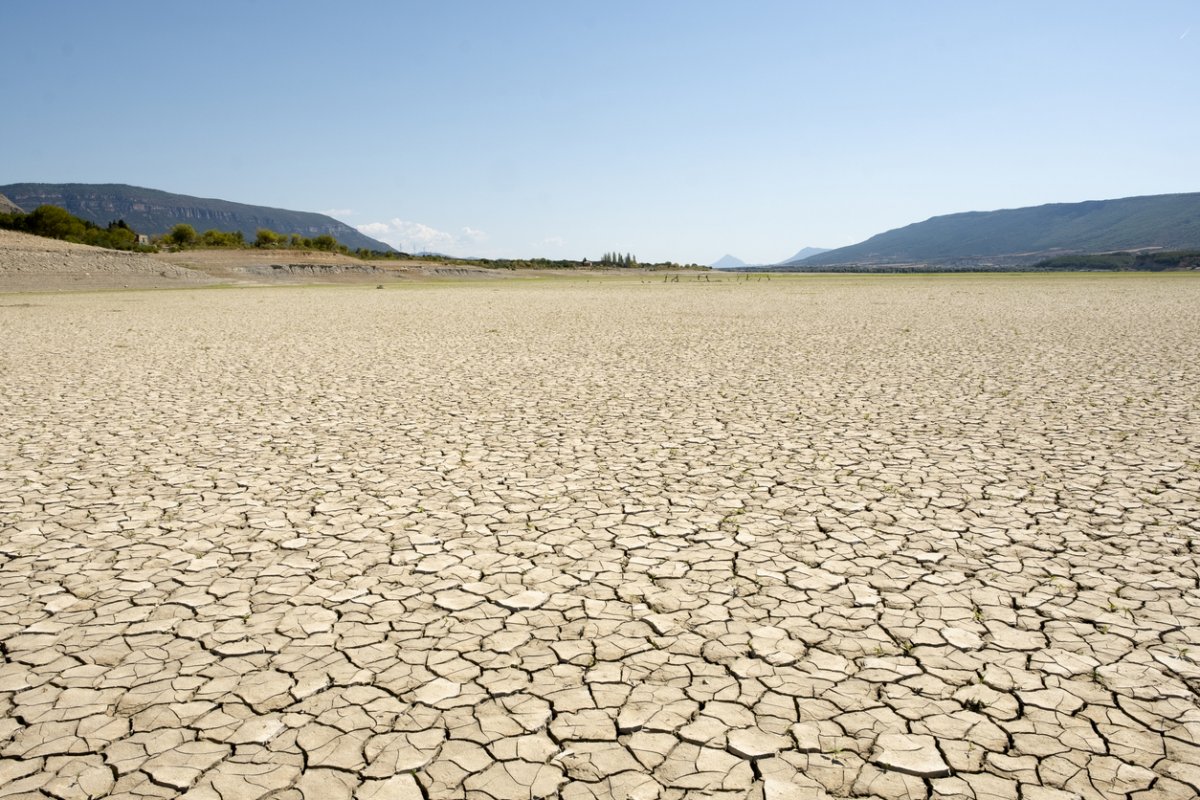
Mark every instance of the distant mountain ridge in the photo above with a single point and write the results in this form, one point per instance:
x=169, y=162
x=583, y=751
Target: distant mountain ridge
x=155, y=212
x=1027, y=235
x=805, y=253
x=727, y=262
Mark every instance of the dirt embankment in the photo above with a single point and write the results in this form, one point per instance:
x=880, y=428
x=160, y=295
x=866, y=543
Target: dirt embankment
x=36, y=264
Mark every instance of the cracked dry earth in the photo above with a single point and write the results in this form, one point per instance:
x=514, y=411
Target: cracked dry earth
x=820, y=537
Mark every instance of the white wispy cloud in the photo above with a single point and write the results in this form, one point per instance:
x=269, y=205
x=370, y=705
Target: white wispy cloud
x=337, y=212
x=549, y=241
x=417, y=237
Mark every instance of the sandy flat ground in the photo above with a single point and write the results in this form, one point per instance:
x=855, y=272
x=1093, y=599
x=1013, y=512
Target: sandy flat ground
x=883, y=537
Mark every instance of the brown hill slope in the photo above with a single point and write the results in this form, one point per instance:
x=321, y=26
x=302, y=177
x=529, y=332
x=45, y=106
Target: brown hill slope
x=36, y=264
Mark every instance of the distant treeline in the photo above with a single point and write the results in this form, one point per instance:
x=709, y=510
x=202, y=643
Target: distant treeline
x=1152, y=261
x=185, y=236
x=536, y=263
x=53, y=222
x=57, y=223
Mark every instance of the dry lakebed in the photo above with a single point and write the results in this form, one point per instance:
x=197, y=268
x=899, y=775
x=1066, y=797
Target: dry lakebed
x=874, y=537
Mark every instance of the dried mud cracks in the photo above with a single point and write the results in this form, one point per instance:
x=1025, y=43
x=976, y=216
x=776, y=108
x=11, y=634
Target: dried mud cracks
x=848, y=538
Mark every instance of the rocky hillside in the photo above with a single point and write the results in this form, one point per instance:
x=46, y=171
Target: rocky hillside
x=1018, y=236
x=155, y=212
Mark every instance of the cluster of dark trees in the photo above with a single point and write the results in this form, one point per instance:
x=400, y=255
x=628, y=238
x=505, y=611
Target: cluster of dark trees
x=619, y=260
x=1151, y=261
x=58, y=223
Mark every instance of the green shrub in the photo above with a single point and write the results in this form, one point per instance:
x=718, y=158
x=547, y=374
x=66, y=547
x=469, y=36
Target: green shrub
x=182, y=235
x=265, y=237
x=216, y=238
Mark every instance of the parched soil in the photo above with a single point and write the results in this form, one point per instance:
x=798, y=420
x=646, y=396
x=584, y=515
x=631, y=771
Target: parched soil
x=875, y=537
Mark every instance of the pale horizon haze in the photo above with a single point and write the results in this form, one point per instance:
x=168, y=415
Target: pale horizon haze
x=678, y=131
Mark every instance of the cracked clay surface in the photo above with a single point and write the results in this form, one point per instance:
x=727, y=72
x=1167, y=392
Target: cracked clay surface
x=834, y=537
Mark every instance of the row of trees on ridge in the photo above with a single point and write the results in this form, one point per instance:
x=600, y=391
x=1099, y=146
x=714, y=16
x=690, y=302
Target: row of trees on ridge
x=53, y=222
x=184, y=235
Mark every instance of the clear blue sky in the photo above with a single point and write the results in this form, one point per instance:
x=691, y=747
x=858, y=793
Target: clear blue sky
x=675, y=130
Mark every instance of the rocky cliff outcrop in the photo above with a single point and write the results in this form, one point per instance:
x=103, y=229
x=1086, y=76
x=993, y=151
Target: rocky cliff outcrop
x=9, y=207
